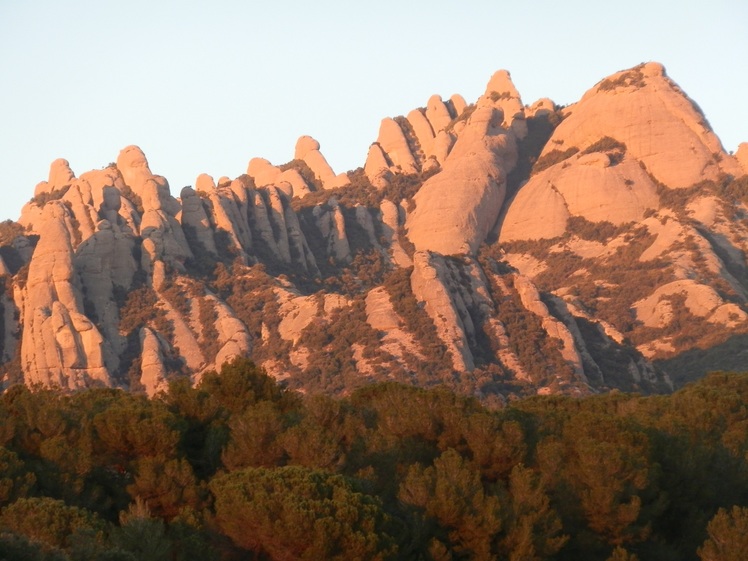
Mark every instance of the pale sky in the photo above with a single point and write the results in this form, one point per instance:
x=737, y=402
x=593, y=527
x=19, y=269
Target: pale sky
x=204, y=86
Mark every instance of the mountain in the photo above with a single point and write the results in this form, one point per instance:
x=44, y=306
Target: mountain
x=499, y=248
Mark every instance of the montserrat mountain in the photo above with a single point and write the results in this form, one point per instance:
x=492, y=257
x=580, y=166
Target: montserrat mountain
x=499, y=248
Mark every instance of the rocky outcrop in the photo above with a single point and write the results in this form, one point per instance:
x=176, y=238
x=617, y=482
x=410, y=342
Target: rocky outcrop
x=307, y=149
x=742, y=157
x=589, y=185
x=60, y=346
x=393, y=218
x=430, y=287
x=289, y=181
x=377, y=168
x=501, y=94
x=136, y=173
x=331, y=225
x=60, y=176
x=112, y=281
x=396, y=341
x=394, y=144
x=437, y=113
x=163, y=237
x=227, y=216
x=657, y=310
x=457, y=207
x=153, y=375
x=651, y=115
x=556, y=329
x=423, y=130
x=104, y=262
x=299, y=311
x=233, y=337
x=195, y=220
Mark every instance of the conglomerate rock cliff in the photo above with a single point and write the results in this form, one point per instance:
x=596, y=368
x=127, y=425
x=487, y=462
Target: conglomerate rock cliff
x=499, y=248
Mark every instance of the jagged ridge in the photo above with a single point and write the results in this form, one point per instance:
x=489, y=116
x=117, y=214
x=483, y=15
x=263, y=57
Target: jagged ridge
x=489, y=246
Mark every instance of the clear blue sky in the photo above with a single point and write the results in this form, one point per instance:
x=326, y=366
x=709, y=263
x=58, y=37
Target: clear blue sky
x=204, y=86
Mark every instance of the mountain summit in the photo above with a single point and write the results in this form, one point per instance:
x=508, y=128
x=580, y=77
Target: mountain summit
x=499, y=248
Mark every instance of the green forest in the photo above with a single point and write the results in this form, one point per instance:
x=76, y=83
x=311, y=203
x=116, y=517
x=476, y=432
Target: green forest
x=240, y=467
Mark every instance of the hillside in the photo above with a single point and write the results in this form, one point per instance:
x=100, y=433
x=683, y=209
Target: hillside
x=500, y=248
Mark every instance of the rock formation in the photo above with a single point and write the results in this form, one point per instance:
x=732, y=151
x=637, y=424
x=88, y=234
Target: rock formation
x=59, y=344
x=492, y=246
x=456, y=208
x=650, y=114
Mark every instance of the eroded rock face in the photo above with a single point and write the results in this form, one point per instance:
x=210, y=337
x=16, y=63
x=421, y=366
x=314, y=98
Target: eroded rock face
x=659, y=125
x=136, y=173
x=558, y=330
x=501, y=94
x=153, y=372
x=431, y=288
x=307, y=149
x=102, y=262
x=122, y=269
x=233, y=336
x=588, y=186
x=742, y=157
x=331, y=224
x=377, y=168
x=60, y=175
x=382, y=316
x=393, y=143
x=59, y=345
x=457, y=207
x=195, y=218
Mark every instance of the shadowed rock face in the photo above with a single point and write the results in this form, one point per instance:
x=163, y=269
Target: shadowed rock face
x=447, y=259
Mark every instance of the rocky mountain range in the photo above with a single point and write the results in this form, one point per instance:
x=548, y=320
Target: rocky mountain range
x=500, y=248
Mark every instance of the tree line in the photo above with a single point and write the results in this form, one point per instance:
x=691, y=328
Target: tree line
x=238, y=467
